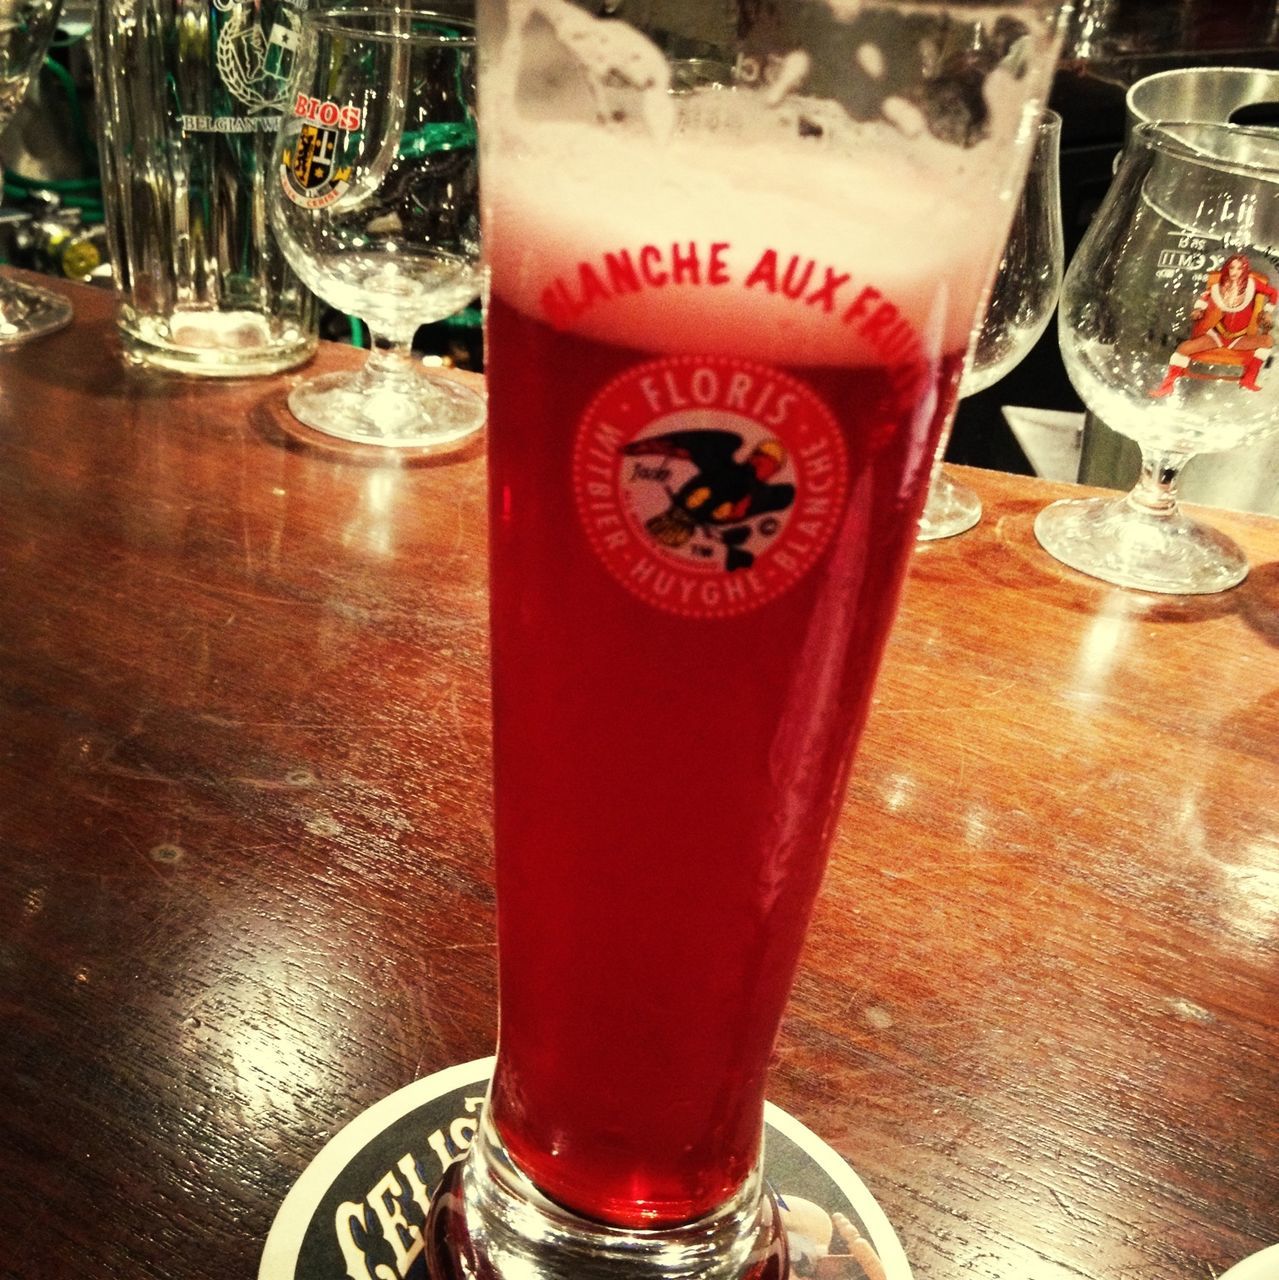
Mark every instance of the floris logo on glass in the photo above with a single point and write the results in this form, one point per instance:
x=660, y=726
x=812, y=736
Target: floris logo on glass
x=309, y=171
x=707, y=485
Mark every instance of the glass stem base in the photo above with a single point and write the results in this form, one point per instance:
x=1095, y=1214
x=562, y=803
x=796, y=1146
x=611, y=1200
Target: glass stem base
x=27, y=311
x=489, y=1222
x=951, y=508
x=390, y=402
x=1129, y=543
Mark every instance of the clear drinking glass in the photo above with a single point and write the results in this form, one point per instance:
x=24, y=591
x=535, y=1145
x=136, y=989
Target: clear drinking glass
x=376, y=205
x=26, y=27
x=735, y=254
x=1020, y=305
x=189, y=96
x=1165, y=323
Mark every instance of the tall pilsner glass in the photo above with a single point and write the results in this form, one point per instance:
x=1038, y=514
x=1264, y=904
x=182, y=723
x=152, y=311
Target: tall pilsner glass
x=736, y=253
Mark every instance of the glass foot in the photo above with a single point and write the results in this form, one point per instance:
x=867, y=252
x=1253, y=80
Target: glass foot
x=210, y=343
x=951, y=508
x=1118, y=542
x=27, y=312
x=488, y=1222
x=414, y=410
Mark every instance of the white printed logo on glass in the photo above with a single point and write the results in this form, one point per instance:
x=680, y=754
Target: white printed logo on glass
x=255, y=67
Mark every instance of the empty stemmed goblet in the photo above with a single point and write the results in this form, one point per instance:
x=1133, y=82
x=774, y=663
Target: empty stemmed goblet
x=1165, y=323
x=375, y=204
x=1020, y=305
x=26, y=27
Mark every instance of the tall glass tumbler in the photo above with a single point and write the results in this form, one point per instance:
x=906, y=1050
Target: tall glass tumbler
x=191, y=94
x=736, y=255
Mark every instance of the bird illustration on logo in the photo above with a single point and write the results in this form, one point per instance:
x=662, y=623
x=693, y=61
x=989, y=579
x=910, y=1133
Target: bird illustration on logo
x=724, y=495
x=708, y=485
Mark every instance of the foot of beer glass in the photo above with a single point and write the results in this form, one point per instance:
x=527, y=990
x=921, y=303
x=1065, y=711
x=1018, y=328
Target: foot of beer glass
x=396, y=403
x=951, y=508
x=1121, y=542
x=489, y=1222
x=27, y=311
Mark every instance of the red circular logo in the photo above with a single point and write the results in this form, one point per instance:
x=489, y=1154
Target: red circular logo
x=707, y=485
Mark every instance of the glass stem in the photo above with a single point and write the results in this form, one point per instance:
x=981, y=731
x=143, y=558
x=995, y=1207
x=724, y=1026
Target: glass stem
x=1155, y=493
x=390, y=357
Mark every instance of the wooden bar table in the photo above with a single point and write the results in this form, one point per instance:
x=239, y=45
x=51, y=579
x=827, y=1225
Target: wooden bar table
x=245, y=884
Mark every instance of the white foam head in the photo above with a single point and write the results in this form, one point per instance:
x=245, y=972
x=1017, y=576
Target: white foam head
x=854, y=215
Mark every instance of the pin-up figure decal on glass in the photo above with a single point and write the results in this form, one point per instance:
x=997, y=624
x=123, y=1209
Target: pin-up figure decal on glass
x=1230, y=327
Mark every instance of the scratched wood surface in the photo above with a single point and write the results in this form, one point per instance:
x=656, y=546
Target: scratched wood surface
x=244, y=875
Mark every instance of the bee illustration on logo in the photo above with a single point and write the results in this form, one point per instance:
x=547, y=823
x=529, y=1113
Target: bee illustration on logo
x=723, y=496
x=309, y=168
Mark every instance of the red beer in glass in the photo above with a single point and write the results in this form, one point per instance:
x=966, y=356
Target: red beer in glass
x=725, y=329
x=669, y=758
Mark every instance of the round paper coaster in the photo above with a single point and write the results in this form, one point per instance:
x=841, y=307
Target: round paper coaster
x=357, y=1210
x=1260, y=1266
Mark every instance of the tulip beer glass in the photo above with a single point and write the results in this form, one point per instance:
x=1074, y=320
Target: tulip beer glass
x=1017, y=313
x=376, y=205
x=736, y=253
x=1166, y=324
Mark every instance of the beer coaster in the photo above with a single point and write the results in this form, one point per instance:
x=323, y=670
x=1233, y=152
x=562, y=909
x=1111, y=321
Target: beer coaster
x=358, y=1208
x=1260, y=1266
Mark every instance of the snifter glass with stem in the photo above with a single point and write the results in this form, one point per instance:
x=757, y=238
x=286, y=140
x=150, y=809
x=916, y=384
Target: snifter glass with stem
x=375, y=203
x=1166, y=323
x=26, y=28
x=735, y=253
x=1021, y=304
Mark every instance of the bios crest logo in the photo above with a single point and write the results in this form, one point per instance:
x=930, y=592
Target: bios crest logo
x=708, y=485
x=309, y=169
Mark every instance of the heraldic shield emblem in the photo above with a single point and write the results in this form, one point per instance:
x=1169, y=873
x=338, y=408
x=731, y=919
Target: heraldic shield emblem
x=313, y=157
x=309, y=172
